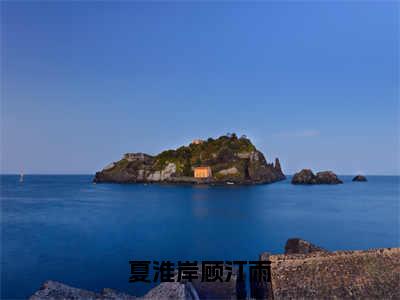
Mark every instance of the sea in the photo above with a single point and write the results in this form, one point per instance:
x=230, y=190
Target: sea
x=67, y=229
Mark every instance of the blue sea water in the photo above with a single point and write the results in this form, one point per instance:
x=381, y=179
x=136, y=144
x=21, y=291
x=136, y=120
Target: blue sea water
x=67, y=229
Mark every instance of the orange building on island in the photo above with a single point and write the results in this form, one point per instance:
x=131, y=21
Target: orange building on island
x=197, y=142
x=202, y=172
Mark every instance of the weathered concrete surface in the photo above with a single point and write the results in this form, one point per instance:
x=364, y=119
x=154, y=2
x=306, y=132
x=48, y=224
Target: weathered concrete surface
x=216, y=290
x=370, y=274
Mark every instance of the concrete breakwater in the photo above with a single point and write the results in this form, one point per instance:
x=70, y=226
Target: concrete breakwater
x=305, y=271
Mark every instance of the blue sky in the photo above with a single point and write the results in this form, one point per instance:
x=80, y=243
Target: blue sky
x=315, y=84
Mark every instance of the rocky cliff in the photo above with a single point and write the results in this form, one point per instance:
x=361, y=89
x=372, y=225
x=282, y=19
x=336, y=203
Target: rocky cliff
x=231, y=159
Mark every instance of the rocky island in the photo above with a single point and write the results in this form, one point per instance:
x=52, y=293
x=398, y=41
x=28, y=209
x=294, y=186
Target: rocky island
x=360, y=178
x=306, y=176
x=225, y=160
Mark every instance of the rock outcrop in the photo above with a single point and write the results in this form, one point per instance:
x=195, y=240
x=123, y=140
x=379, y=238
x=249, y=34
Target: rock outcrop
x=306, y=176
x=195, y=290
x=231, y=159
x=172, y=290
x=299, y=246
x=359, y=178
x=327, y=177
x=53, y=290
x=277, y=165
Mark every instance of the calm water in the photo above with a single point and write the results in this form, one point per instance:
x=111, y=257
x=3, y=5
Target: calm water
x=67, y=229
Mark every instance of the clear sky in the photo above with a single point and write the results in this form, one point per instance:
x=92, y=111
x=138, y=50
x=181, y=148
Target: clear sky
x=316, y=84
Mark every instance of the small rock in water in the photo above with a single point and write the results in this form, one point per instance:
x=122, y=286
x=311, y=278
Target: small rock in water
x=359, y=178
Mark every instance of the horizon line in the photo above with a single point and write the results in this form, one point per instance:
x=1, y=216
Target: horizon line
x=91, y=174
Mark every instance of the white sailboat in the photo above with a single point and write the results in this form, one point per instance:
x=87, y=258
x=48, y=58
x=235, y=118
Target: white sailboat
x=21, y=177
